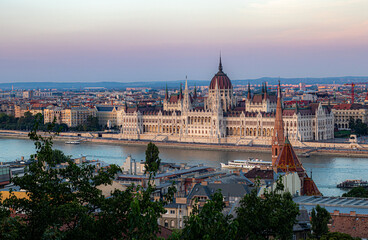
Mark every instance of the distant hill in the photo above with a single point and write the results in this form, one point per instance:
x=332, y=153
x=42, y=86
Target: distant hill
x=174, y=84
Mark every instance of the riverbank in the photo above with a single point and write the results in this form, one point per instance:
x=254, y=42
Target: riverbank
x=193, y=146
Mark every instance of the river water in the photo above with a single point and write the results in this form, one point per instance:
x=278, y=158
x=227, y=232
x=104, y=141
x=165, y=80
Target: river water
x=327, y=170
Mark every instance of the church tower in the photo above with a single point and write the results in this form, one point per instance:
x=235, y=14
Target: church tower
x=278, y=131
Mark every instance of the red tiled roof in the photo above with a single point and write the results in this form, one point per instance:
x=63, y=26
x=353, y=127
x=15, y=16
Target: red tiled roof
x=348, y=106
x=258, y=98
x=262, y=174
x=288, y=161
x=354, y=225
x=310, y=188
x=174, y=98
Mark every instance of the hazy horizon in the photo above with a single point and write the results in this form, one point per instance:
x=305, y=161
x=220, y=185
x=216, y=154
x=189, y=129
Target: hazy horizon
x=142, y=41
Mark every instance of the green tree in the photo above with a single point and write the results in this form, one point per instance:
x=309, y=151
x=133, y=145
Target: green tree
x=208, y=222
x=320, y=219
x=62, y=202
x=152, y=158
x=358, y=127
x=91, y=124
x=351, y=123
x=65, y=203
x=338, y=236
x=359, y=192
x=272, y=215
x=135, y=208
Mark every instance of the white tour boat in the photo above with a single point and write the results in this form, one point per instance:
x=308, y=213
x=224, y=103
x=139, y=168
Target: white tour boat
x=247, y=164
x=73, y=142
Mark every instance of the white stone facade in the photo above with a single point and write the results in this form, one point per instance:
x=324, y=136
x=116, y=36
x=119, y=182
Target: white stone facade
x=214, y=125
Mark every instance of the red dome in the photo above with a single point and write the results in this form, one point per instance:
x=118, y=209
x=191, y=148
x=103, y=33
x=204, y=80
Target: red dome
x=223, y=81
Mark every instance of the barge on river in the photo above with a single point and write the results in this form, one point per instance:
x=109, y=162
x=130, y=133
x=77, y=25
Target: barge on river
x=353, y=184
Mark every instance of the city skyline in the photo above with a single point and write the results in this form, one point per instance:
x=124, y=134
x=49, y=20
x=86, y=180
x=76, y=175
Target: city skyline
x=125, y=41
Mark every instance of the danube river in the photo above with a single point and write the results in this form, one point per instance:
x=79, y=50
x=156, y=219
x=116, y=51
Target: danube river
x=327, y=170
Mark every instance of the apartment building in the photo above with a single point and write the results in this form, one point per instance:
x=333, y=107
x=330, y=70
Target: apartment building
x=72, y=117
x=343, y=113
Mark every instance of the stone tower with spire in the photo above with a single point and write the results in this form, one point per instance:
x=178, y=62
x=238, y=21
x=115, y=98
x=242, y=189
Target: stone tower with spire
x=249, y=94
x=186, y=103
x=217, y=114
x=278, y=131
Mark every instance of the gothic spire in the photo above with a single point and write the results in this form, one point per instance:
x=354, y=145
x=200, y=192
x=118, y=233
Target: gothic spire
x=186, y=95
x=220, y=64
x=265, y=91
x=186, y=83
x=266, y=86
x=278, y=136
x=195, y=91
x=166, y=93
x=181, y=91
x=248, y=97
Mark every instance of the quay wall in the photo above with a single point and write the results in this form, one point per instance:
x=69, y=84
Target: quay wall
x=228, y=144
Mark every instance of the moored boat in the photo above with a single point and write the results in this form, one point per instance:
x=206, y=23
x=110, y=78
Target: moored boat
x=247, y=164
x=352, y=184
x=72, y=142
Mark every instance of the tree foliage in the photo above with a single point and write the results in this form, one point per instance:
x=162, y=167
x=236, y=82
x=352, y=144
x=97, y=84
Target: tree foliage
x=27, y=122
x=337, y=236
x=65, y=203
x=91, y=124
x=358, y=192
x=272, y=215
x=320, y=219
x=152, y=158
x=358, y=127
x=209, y=222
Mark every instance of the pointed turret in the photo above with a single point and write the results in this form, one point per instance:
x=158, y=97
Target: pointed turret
x=278, y=131
x=220, y=64
x=166, y=93
x=186, y=83
x=265, y=90
x=181, y=91
x=249, y=96
x=186, y=96
x=297, y=107
x=195, y=92
x=218, y=106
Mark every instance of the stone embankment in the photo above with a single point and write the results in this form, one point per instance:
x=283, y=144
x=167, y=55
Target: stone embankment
x=313, y=148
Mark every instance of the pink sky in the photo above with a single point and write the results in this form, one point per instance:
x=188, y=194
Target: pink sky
x=165, y=40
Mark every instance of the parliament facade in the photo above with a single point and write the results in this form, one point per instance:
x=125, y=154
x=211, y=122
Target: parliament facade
x=221, y=118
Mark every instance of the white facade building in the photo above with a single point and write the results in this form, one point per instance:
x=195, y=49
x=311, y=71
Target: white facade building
x=222, y=119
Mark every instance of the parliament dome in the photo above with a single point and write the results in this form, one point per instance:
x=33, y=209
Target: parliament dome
x=223, y=81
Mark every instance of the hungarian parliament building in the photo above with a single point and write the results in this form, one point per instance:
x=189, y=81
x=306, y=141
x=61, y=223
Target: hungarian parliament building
x=221, y=118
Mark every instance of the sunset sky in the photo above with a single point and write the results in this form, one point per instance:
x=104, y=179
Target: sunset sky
x=146, y=40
